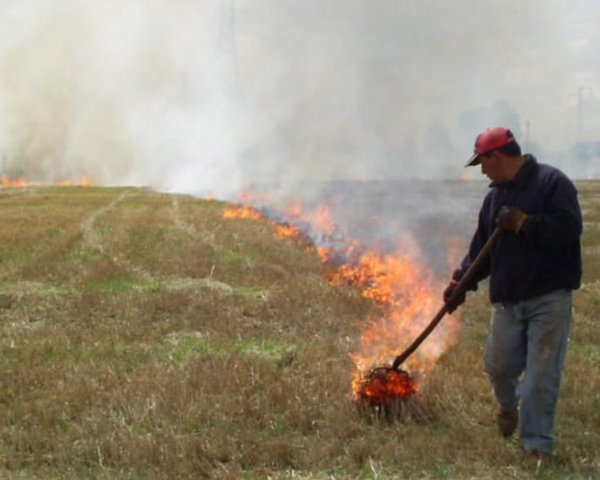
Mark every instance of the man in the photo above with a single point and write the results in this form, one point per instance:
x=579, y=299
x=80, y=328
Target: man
x=533, y=268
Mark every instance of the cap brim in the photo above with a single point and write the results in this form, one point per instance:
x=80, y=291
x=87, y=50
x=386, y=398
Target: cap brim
x=474, y=160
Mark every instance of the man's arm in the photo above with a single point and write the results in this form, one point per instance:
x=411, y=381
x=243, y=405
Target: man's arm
x=561, y=221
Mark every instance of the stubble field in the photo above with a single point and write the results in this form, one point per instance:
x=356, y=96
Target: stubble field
x=143, y=335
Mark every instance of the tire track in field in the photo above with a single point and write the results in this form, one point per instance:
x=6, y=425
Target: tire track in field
x=191, y=230
x=92, y=240
x=8, y=271
x=203, y=236
x=176, y=217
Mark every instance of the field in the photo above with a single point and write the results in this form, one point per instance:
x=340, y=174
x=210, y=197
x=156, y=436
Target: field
x=143, y=335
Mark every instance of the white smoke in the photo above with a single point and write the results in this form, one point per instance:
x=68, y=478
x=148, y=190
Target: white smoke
x=208, y=96
x=124, y=92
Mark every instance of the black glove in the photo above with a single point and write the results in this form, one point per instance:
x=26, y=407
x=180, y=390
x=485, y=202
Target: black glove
x=511, y=218
x=453, y=301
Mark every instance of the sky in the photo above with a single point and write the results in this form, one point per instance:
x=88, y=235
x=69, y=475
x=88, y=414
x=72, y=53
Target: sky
x=209, y=97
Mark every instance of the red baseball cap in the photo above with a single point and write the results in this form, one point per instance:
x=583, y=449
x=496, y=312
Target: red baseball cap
x=488, y=141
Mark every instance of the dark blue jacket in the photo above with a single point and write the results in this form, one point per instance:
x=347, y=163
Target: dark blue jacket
x=546, y=254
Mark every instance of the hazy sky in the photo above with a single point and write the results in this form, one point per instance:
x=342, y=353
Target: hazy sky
x=208, y=96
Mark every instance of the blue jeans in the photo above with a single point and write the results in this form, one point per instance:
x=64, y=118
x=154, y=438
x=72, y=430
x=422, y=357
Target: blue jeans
x=530, y=337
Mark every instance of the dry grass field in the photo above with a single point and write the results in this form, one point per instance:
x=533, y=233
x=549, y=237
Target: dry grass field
x=142, y=335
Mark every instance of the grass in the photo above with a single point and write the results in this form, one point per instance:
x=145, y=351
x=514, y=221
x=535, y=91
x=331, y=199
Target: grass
x=144, y=336
x=123, y=285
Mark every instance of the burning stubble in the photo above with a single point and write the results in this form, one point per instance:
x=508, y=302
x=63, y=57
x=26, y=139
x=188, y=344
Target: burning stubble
x=405, y=297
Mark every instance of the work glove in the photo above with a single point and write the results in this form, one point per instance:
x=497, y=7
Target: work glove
x=511, y=219
x=453, y=302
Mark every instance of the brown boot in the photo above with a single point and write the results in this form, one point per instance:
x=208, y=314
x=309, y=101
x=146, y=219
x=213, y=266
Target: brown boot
x=507, y=421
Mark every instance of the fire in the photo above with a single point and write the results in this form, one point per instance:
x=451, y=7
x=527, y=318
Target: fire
x=294, y=210
x=383, y=386
x=242, y=212
x=321, y=218
x=82, y=181
x=286, y=230
x=17, y=182
x=405, y=294
x=406, y=297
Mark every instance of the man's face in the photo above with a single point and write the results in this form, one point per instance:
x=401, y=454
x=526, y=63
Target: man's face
x=492, y=165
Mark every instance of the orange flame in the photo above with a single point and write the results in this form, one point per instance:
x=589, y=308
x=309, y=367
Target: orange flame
x=286, y=230
x=17, y=182
x=383, y=385
x=321, y=218
x=82, y=181
x=406, y=297
x=242, y=212
x=404, y=294
x=294, y=210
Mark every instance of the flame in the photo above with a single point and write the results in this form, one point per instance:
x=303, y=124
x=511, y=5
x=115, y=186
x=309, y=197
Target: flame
x=82, y=181
x=406, y=298
x=242, y=212
x=17, y=182
x=320, y=218
x=383, y=385
x=294, y=210
x=405, y=294
x=319, y=221
x=286, y=230
x=323, y=219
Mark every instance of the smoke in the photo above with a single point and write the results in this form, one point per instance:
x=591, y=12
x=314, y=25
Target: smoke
x=124, y=92
x=210, y=96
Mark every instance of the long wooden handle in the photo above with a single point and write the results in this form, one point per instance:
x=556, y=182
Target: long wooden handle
x=459, y=289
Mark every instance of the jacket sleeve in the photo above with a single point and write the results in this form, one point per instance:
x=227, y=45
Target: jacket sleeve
x=560, y=222
x=479, y=239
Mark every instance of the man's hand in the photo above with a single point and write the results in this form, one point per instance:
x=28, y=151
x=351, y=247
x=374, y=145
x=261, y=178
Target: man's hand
x=511, y=218
x=451, y=301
